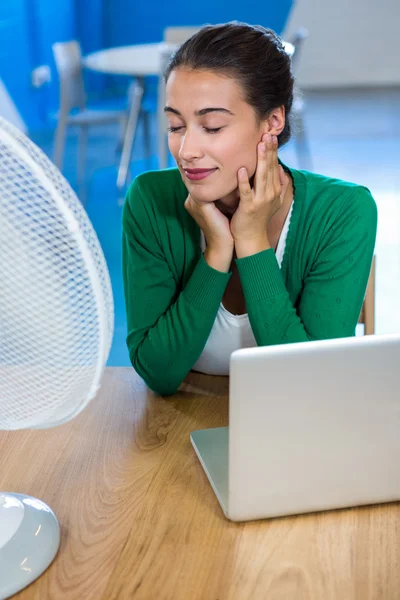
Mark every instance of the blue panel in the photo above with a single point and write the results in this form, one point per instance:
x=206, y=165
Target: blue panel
x=91, y=27
x=51, y=22
x=130, y=22
x=28, y=28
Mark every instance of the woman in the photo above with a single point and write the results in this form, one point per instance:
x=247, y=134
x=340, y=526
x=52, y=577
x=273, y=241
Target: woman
x=232, y=248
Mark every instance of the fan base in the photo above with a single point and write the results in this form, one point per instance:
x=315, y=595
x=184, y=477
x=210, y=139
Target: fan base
x=29, y=541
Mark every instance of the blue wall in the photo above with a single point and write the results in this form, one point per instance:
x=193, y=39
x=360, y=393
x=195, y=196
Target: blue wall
x=28, y=28
x=129, y=21
x=54, y=22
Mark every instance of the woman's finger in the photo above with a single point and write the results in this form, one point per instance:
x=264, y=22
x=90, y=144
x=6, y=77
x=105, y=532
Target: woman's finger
x=245, y=191
x=260, y=178
x=276, y=178
x=282, y=177
x=270, y=159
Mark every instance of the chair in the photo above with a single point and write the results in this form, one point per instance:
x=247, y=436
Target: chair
x=298, y=107
x=173, y=36
x=73, y=111
x=367, y=316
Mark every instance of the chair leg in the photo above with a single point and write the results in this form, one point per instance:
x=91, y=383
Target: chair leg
x=59, y=143
x=302, y=146
x=83, y=136
x=123, y=122
x=130, y=132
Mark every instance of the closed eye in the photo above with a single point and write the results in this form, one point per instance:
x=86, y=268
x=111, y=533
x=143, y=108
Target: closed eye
x=215, y=130
x=173, y=129
x=207, y=129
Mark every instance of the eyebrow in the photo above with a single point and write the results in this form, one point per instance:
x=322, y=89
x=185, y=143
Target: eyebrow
x=200, y=113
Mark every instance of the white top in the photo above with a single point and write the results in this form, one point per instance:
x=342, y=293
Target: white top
x=232, y=332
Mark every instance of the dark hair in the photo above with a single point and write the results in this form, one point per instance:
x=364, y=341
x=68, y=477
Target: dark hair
x=252, y=55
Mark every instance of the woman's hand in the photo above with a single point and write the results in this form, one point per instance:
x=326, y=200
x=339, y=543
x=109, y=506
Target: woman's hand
x=257, y=206
x=216, y=230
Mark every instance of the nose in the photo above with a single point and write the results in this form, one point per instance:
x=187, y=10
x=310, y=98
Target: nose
x=190, y=148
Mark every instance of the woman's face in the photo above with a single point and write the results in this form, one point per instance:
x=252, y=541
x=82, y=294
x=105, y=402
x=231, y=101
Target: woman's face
x=212, y=132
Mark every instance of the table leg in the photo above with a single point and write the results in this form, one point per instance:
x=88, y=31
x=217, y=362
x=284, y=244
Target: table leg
x=134, y=111
x=161, y=128
x=165, y=56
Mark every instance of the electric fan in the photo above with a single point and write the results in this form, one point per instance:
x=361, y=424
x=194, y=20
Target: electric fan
x=56, y=328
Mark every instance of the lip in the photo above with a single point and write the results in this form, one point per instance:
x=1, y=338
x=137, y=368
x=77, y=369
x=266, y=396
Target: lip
x=197, y=174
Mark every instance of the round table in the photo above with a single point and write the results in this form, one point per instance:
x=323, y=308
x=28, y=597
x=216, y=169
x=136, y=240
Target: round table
x=138, y=61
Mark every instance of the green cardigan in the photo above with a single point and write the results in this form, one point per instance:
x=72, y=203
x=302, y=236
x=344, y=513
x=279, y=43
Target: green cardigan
x=172, y=296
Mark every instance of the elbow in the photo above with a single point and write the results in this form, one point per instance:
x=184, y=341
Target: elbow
x=155, y=378
x=162, y=388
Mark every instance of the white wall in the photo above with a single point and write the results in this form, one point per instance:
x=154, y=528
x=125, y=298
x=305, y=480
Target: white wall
x=351, y=42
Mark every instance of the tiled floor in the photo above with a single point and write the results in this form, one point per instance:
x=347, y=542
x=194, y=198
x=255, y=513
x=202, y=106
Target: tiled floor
x=354, y=135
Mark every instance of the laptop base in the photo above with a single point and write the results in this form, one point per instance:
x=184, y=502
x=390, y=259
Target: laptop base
x=212, y=449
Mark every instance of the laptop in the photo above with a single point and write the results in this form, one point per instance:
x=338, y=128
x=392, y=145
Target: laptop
x=312, y=426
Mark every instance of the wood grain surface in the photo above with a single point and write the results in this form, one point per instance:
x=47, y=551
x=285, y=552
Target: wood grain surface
x=139, y=519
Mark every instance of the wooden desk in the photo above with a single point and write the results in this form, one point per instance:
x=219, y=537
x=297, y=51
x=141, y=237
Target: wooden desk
x=139, y=519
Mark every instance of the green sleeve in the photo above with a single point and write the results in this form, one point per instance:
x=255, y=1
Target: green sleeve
x=333, y=290
x=168, y=327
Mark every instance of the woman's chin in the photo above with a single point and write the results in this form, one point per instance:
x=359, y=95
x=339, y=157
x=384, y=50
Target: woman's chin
x=209, y=192
x=201, y=193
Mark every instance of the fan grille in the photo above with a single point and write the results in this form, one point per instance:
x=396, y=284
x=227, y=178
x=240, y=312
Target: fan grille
x=56, y=304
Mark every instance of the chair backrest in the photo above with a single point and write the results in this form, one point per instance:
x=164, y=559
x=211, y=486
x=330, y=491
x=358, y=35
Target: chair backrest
x=178, y=35
x=367, y=316
x=68, y=59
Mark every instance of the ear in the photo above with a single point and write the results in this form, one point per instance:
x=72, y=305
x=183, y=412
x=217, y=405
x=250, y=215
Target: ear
x=275, y=122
